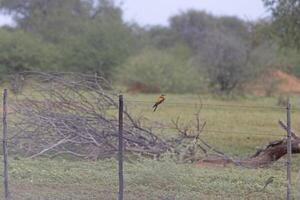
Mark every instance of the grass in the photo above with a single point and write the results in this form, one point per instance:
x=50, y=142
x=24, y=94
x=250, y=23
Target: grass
x=238, y=131
x=235, y=129
x=144, y=180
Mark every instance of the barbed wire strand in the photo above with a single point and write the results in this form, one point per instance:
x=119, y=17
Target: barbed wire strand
x=210, y=105
x=247, y=133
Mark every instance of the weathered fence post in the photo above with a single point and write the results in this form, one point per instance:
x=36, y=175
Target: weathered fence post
x=4, y=140
x=120, y=156
x=289, y=150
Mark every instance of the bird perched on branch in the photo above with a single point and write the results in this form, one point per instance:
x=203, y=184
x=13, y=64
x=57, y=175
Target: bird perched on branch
x=160, y=99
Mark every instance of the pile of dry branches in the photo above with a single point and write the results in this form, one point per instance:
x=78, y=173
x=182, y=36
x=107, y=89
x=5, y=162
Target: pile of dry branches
x=75, y=114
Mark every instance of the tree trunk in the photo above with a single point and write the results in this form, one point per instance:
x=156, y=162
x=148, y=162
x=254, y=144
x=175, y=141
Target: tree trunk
x=273, y=152
x=262, y=158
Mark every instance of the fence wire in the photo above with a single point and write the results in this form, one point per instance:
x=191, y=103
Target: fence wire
x=208, y=105
x=251, y=131
x=204, y=106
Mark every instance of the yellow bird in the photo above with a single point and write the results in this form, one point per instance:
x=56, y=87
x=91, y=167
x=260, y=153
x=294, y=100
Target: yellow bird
x=160, y=99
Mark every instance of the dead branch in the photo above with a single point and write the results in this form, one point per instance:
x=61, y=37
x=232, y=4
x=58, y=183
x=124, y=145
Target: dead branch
x=191, y=146
x=284, y=126
x=75, y=114
x=265, y=156
x=49, y=148
x=273, y=152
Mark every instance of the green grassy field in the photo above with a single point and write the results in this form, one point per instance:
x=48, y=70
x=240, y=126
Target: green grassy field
x=237, y=126
x=237, y=129
x=144, y=180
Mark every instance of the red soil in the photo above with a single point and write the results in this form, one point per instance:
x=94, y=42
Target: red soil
x=288, y=83
x=275, y=82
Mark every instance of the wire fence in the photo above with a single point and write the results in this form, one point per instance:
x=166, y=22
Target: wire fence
x=262, y=125
x=209, y=105
x=223, y=125
x=251, y=130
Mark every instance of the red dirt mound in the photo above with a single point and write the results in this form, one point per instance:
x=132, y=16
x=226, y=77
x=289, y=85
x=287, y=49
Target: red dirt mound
x=288, y=83
x=276, y=82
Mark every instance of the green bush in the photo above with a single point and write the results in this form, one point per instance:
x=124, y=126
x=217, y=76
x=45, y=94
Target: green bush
x=20, y=51
x=160, y=71
x=102, y=48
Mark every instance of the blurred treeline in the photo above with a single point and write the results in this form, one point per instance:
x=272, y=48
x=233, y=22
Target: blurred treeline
x=197, y=51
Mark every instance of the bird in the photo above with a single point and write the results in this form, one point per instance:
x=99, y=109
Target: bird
x=160, y=99
x=268, y=181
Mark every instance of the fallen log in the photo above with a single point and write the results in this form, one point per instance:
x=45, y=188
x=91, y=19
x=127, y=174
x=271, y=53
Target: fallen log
x=273, y=152
x=263, y=157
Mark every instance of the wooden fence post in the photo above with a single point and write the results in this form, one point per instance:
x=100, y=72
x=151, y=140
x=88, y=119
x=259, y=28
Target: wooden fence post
x=289, y=151
x=4, y=140
x=120, y=155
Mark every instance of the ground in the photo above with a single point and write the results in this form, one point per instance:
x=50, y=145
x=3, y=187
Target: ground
x=236, y=126
x=144, y=180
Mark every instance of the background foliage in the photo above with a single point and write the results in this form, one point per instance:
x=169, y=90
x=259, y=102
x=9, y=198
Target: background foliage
x=196, y=51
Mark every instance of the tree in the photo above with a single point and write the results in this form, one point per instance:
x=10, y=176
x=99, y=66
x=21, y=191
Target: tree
x=90, y=35
x=21, y=51
x=154, y=70
x=101, y=48
x=230, y=61
x=192, y=27
x=161, y=37
x=57, y=19
x=225, y=59
x=228, y=50
x=52, y=20
x=285, y=21
x=233, y=26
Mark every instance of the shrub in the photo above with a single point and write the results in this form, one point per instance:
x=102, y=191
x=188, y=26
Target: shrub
x=159, y=71
x=21, y=51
